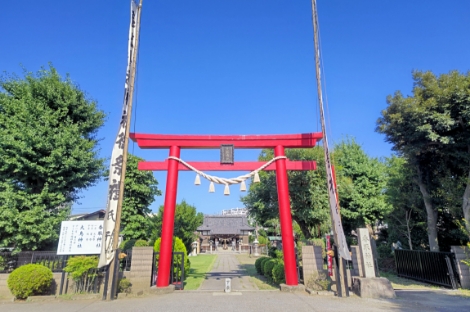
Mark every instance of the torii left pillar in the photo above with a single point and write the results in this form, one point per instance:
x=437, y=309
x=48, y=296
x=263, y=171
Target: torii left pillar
x=285, y=218
x=166, y=248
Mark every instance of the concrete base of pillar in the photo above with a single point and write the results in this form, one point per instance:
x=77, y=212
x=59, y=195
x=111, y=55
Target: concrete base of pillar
x=162, y=290
x=376, y=287
x=319, y=292
x=296, y=288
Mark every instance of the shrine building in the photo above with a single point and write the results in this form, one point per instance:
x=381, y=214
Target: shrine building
x=222, y=231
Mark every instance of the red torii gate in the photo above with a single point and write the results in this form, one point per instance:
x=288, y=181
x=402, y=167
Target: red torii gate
x=176, y=142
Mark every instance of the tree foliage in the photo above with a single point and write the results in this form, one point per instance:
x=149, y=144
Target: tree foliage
x=140, y=189
x=407, y=220
x=307, y=189
x=187, y=219
x=431, y=129
x=361, y=184
x=48, y=154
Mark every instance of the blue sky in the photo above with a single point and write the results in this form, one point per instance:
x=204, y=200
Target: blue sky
x=237, y=67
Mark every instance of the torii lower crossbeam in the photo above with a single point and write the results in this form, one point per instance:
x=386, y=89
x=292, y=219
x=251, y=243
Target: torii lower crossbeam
x=177, y=142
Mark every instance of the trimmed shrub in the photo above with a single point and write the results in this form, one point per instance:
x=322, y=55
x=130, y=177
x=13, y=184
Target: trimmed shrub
x=268, y=268
x=272, y=252
x=141, y=243
x=319, y=281
x=262, y=262
x=124, y=286
x=258, y=264
x=279, y=254
x=29, y=279
x=83, y=271
x=262, y=240
x=178, y=246
x=127, y=244
x=278, y=273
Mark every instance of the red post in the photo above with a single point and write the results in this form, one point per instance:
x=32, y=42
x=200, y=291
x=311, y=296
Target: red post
x=166, y=247
x=290, y=267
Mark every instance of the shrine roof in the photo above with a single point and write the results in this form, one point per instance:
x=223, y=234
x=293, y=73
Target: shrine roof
x=224, y=225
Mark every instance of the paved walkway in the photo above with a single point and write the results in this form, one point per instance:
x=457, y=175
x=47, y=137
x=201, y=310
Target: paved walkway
x=211, y=298
x=227, y=266
x=272, y=301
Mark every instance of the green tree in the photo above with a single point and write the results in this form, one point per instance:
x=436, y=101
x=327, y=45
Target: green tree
x=407, y=220
x=308, y=193
x=187, y=219
x=140, y=190
x=48, y=154
x=431, y=129
x=361, y=186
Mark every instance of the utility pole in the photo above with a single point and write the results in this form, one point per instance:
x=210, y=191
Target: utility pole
x=341, y=251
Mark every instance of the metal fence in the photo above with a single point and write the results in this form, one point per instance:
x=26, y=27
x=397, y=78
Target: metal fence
x=10, y=261
x=437, y=268
x=177, y=271
x=50, y=259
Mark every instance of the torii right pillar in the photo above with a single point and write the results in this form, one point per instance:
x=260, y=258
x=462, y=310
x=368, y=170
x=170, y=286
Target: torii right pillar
x=290, y=265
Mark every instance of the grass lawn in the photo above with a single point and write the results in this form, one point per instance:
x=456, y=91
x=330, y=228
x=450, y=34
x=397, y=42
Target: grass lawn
x=248, y=264
x=200, y=265
x=404, y=283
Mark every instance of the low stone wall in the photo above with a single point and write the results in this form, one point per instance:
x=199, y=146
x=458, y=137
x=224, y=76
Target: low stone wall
x=461, y=253
x=356, y=262
x=312, y=261
x=140, y=274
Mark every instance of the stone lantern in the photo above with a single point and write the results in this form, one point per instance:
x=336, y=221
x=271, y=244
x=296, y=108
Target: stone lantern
x=194, y=245
x=255, y=244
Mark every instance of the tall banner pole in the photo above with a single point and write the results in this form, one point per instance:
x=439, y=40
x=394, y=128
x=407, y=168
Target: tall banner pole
x=339, y=238
x=117, y=170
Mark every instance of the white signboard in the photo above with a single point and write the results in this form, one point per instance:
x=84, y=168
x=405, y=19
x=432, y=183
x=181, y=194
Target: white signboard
x=80, y=237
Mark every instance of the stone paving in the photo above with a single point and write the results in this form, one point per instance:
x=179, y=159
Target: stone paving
x=227, y=266
x=244, y=297
x=271, y=301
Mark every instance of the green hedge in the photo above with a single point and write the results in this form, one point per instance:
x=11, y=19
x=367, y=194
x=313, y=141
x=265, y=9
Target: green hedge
x=268, y=268
x=263, y=261
x=29, y=279
x=141, y=243
x=278, y=273
x=127, y=244
x=258, y=264
x=178, y=246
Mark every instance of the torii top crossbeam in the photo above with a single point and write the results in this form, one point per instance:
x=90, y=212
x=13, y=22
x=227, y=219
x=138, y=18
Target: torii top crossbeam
x=162, y=141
